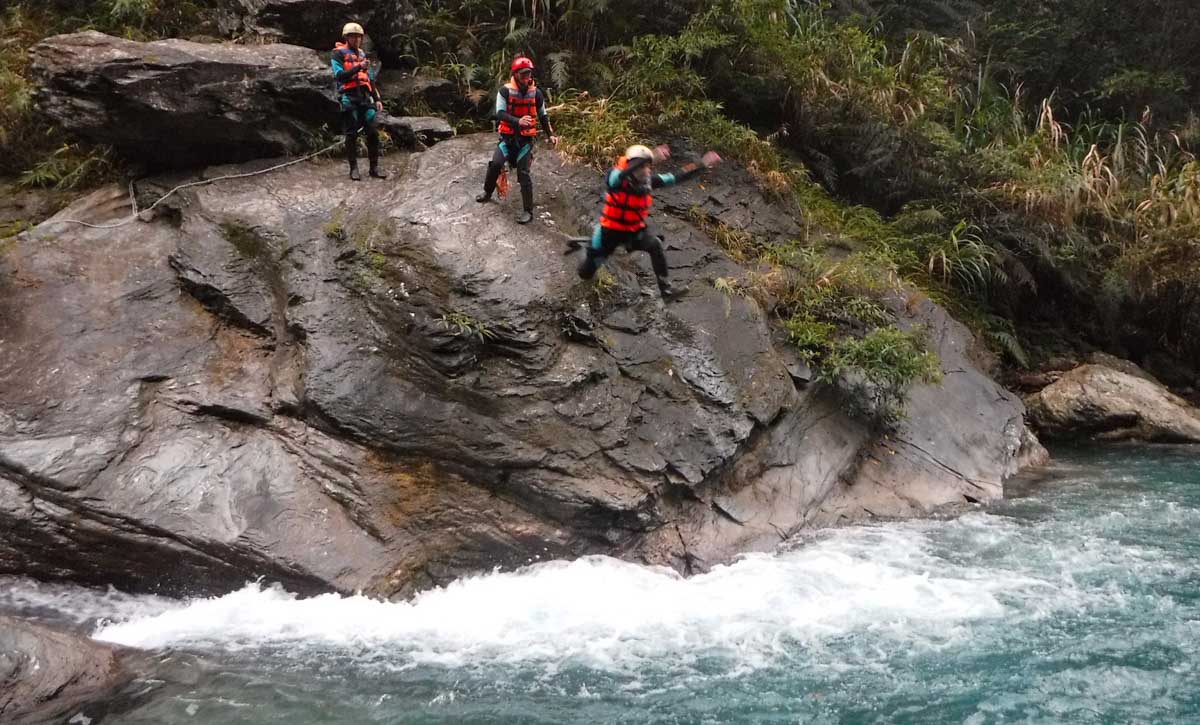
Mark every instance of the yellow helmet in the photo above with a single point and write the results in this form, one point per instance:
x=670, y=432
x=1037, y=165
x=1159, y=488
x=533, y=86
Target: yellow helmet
x=352, y=29
x=639, y=152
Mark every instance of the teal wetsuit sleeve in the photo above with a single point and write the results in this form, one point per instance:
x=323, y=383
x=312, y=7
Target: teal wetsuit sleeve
x=501, y=104
x=660, y=180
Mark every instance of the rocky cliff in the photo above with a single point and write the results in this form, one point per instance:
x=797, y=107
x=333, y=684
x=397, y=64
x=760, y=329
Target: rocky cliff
x=383, y=385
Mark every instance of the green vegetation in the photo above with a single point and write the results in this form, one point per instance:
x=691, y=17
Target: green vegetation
x=1028, y=164
x=71, y=166
x=837, y=317
x=335, y=228
x=460, y=324
x=603, y=283
x=33, y=150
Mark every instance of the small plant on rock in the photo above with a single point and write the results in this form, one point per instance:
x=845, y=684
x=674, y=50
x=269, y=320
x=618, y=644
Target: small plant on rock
x=335, y=228
x=460, y=324
x=70, y=167
x=603, y=283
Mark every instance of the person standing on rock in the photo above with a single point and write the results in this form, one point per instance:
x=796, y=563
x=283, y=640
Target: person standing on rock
x=359, y=99
x=521, y=109
x=627, y=205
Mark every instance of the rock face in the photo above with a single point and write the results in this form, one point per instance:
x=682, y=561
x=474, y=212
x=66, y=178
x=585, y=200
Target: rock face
x=174, y=103
x=178, y=104
x=384, y=385
x=411, y=131
x=1099, y=402
x=314, y=23
x=418, y=88
x=1120, y=365
x=46, y=674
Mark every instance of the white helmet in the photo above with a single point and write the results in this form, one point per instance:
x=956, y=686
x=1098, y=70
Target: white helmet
x=638, y=151
x=352, y=29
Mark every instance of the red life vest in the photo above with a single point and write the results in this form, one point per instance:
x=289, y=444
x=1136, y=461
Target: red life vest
x=625, y=210
x=349, y=58
x=520, y=105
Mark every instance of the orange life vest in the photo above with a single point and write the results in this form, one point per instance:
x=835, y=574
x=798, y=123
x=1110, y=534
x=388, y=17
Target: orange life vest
x=625, y=210
x=521, y=105
x=349, y=58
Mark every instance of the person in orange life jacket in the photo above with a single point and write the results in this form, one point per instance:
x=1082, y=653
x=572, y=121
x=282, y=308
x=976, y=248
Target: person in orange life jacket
x=359, y=99
x=627, y=205
x=521, y=109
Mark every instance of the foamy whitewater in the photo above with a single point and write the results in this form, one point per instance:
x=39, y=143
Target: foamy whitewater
x=1077, y=603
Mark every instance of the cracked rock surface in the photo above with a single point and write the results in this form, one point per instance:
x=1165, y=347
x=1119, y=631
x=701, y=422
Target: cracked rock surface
x=385, y=385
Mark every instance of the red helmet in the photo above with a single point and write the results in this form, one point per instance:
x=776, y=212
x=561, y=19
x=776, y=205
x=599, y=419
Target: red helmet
x=521, y=63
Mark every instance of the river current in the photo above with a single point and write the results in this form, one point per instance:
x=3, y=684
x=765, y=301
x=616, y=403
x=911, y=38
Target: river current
x=1075, y=601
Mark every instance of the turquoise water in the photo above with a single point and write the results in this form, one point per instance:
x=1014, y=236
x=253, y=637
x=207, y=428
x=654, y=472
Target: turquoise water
x=1077, y=601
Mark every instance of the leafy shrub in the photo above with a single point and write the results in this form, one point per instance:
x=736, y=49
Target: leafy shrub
x=71, y=167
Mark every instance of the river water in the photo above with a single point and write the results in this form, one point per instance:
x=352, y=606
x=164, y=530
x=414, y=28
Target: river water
x=1076, y=601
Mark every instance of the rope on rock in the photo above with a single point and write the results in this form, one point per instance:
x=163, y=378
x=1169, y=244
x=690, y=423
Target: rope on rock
x=137, y=213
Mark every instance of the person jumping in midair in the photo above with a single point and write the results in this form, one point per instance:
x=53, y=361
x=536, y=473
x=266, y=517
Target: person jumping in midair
x=521, y=108
x=627, y=205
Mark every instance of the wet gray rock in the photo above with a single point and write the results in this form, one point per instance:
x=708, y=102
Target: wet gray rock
x=179, y=104
x=315, y=24
x=384, y=385
x=175, y=103
x=48, y=675
x=411, y=131
x=418, y=88
x=1120, y=365
x=1099, y=402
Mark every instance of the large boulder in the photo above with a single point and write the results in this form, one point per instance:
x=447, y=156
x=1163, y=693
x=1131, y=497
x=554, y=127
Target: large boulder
x=47, y=675
x=1094, y=401
x=179, y=104
x=383, y=385
x=175, y=103
x=419, y=89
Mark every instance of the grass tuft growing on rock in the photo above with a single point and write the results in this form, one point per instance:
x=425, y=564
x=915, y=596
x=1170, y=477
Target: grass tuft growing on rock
x=835, y=316
x=71, y=166
x=603, y=283
x=461, y=324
